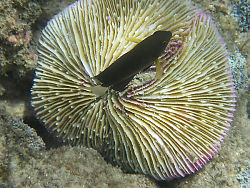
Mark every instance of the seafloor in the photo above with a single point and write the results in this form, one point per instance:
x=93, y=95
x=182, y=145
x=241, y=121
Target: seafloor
x=31, y=157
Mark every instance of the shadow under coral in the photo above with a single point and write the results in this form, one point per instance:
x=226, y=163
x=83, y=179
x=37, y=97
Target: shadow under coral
x=17, y=90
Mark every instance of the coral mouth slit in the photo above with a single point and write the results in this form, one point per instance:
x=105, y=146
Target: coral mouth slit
x=142, y=56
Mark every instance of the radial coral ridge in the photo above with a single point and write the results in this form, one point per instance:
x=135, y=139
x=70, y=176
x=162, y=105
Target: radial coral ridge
x=166, y=126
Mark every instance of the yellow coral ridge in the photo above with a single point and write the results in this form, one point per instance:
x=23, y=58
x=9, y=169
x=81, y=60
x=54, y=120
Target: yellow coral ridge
x=166, y=127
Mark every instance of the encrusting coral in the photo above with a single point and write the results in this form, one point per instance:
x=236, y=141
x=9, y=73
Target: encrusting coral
x=17, y=53
x=165, y=126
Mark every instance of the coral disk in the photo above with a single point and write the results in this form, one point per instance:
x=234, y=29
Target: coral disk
x=170, y=118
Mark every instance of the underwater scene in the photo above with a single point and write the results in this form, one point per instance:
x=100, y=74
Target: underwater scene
x=124, y=93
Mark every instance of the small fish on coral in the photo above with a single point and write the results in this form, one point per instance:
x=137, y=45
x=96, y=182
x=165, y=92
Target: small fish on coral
x=142, y=56
x=166, y=124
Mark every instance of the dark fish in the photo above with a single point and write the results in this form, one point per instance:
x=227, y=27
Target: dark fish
x=142, y=56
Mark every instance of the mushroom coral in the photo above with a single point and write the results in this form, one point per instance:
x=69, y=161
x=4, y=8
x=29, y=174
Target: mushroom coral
x=165, y=125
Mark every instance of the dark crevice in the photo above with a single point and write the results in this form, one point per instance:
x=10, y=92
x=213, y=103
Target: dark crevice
x=18, y=90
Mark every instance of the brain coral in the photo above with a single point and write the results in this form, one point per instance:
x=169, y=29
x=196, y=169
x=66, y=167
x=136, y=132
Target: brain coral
x=166, y=125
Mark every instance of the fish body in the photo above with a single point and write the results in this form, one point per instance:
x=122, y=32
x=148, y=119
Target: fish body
x=142, y=56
